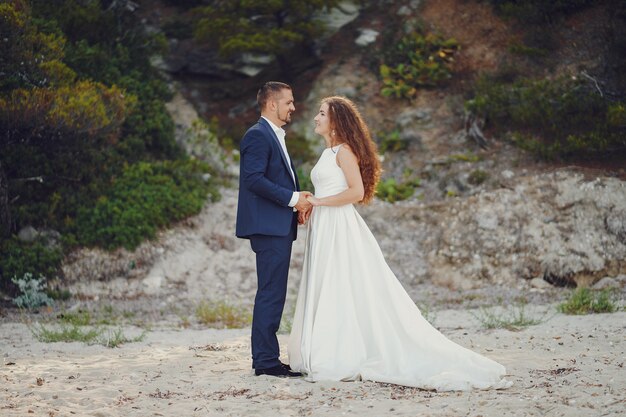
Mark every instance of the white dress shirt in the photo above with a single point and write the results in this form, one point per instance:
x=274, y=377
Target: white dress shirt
x=280, y=133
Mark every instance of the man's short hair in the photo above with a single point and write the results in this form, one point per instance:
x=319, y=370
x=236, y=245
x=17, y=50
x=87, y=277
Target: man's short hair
x=268, y=91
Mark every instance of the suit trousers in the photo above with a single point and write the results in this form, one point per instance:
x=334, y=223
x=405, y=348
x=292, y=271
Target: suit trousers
x=273, y=254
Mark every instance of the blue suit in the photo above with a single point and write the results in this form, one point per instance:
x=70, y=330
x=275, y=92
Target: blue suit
x=264, y=216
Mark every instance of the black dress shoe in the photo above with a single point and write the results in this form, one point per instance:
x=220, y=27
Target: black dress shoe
x=286, y=366
x=279, y=370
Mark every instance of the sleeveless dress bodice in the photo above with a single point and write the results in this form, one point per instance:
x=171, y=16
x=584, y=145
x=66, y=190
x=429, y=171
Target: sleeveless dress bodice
x=326, y=176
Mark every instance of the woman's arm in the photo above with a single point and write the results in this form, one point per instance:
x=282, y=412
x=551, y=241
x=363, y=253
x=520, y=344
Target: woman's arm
x=349, y=164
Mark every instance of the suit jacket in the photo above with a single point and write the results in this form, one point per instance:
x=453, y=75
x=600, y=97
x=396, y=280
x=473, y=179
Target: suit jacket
x=265, y=185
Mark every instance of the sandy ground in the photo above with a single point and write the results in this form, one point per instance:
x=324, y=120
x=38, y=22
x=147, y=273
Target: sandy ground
x=565, y=366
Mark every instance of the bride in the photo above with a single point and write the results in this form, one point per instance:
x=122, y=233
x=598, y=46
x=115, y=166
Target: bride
x=353, y=318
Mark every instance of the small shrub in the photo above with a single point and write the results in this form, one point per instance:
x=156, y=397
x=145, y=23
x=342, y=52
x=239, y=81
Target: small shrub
x=477, y=177
x=392, y=142
x=585, y=301
x=418, y=60
x=223, y=315
x=116, y=338
x=391, y=191
x=32, y=292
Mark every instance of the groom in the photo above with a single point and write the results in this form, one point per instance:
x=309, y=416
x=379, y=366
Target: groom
x=269, y=209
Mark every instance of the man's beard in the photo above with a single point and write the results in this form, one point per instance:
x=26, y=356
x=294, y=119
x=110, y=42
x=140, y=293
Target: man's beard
x=287, y=118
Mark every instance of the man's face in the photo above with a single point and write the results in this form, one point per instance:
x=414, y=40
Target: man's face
x=284, y=106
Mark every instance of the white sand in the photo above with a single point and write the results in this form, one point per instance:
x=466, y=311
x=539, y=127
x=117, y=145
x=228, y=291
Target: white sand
x=566, y=366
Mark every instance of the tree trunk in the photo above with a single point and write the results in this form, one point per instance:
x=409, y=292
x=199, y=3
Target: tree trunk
x=5, y=213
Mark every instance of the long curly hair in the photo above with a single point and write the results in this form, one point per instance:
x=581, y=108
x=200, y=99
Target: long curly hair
x=350, y=128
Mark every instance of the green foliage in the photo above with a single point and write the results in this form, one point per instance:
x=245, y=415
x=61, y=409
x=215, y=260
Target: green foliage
x=392, y=142
x=88, y=335
x=391, y=191
x=304, y=179
x=529, y=51
x=260, y=26
x=223, y=315
x=65, y=334
x=552, y=118
x=81, y=108
x=20, y=259
x=104, y=316
x=146, y=197
x=177, y=28
x=28, y=58
x=32, y=292
x=84, y=108
x=300, y=150
x=585, y=301
x=418, y=60
x=463, y=157
x=477, y=177
x=538, y=11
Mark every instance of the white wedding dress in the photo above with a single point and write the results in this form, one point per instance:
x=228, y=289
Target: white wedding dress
x=353, y=318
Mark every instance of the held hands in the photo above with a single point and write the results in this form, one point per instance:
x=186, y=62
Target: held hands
x=304, y=207
x=314, y=200
x=303, y=216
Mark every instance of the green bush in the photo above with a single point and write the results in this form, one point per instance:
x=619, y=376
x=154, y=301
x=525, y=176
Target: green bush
x=418, y=60
x=391, y=191
x=552, y=118
x=31, y=292
x=538, y=11
x=477, y=177
x=586, y=301
x=20, y=258
x=146, y=197
x=392, y=142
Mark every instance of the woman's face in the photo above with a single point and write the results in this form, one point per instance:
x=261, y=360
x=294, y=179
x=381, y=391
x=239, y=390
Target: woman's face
x=322, y=122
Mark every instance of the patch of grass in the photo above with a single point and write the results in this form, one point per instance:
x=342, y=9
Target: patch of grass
x=463, y=157
x=117, y=338
x=65, y=333
x=80, y=333
x=106, y=316
x=511, y=318
x=477, y=177
x=223, y=315
x=78, y=318
x=586, y=301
